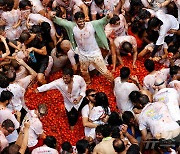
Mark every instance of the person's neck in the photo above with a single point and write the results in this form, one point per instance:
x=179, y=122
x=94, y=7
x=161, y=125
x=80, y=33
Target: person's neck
x=124, y=80
x=3, y=104
x=153, y=72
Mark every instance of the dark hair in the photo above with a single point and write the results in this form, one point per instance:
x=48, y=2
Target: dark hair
x=134, y=96
x=25, y=35
x=45, y=26
x=11, y=149
x=9, y=4
x=133, y=149
x=7, y=124
x=106, y=130
x=81, y=146
x=68, y=71
x=99, y=2
x=99, y=129
x=6, y=95
x=4, y=81
x=24, y=3
x=126, y=46
x=124, y=72
x=88, y=91
x=149, y=65
x=79, y=15
x=36, y=29
x=50, y=141
x=66, y=146
x=127, y=116
x=11, y=74
x=118, y=145
x=154, y=22
x=1, y=2
x=114, y=119
x=115, y=132
x=102, y=100
x=173, y=49
x=114, y=19
x=174, y=70
x=42, y=109
x=144, y=14
x=143, y=99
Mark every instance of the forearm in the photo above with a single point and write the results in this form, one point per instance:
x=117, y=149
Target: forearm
x=18, y=24
x=25, y=141
x=131, y=138
x=134, y=57
x=85, y=10
x=41, y=51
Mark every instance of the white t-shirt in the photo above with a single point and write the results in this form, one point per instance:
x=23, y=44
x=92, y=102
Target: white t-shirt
x=85, y=39
x=170, y=97
x=118, y=30
x=156, y=117
x=36, y=6
x=44, y=150
x=78, y=88
x=169, y=22
x=121, y=92
x=35, y=129
x=150, y=79
x=172, y=85
x=3, y=141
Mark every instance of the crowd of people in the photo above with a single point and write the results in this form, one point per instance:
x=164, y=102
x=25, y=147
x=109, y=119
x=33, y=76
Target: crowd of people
x=82, y=38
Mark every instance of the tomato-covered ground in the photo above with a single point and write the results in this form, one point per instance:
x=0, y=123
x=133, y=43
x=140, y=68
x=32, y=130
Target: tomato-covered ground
x=55, y=122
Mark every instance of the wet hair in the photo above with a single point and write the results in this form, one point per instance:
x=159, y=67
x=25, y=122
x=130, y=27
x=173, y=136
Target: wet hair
x=9, y=4
x=79, y=15
x=114, y=19
x=68, y=71
x=4, y=81
x=149, y=65
x=174, y=70
x=1, y=2
x=42, y=109
x=143, y=99
x=106, y=130
x=66, y=146
x=25, y=35
x=2, y=28
x=114, y=119
x=7, y=124
x=118, y=145
x=50, y=141
x=134, y=96
x=124, y=72
x=115, y=132
x=144, y=14
x=57, y=10
x=99, y=129
x=154, y=22
x=11, y=74
x=81, y=146
x=88, y=91
x=6, y=95
x=24, y=3
x=102, y=100
x=127, y=116
x=45, y=26
x=126, y=46
x=173, y=49
x=12, y=149
x=99, y=2
x=36, y=29
x=133, y=149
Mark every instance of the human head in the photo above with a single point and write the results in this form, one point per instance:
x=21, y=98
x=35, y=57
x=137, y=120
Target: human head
x=124, y=73
x=79, y=19
x=99, y=3
x=154, y=23
x=67, y=75
x=24, y=4
x=50, y=141
x=65, y=45
x=2, y=30
x=25, y=35
x=106, y=130
x=9, y=5
x=115, y=132
x=128, y=118
x=82, y=146
x=12, y=149
x=114, y=119
x=149, y=65
x=42, y=110
x=127, y=47
x=66, y=146
x=91, y=95
x=45, y=27
x=7, y=127
x=6, y=96
x=133, y=149
x=174, y=70
x=173, y=49
x=143, y=100
x=115, y=20
x=134, y=96
x=144, y=15
x=118, y=145
x=98, y=131
x=4, y=81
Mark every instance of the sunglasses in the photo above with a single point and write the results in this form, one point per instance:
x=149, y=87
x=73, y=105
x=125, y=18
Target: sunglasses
x=93, y=95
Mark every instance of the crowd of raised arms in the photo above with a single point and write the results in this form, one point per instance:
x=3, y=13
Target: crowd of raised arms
x=82, y=39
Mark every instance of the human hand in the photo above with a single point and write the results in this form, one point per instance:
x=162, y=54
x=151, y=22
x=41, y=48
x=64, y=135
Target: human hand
x=87, y=18
x=124, y=128
x=52, y=14
x=3, y=39
x=76, y=101
x=26, y=123
x=134, y=78
x=109, y=14
x=134, y=66
x=17, y=113
x=19, y=61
